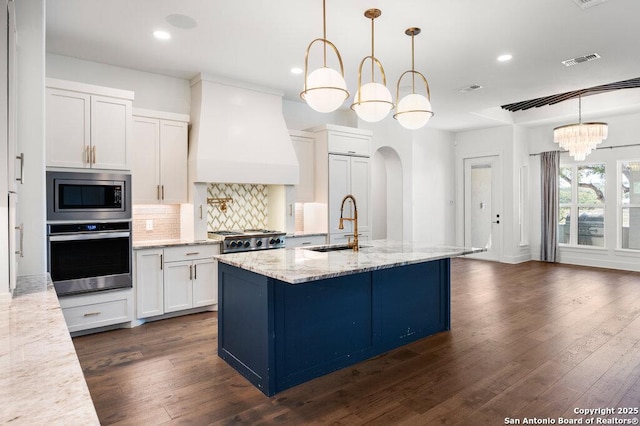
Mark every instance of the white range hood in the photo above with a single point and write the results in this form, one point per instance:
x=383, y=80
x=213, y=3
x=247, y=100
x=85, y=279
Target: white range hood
x=238, y=135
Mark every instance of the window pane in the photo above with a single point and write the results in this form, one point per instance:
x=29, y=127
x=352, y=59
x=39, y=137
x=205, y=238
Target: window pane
x=564, y=226
x=565, y=185
x=630, y=181
x=631, y=228
x=591, y=184
x=591, y=226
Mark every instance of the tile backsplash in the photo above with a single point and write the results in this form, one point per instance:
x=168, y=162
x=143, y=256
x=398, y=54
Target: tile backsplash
x=248, y=210
x=165, y=221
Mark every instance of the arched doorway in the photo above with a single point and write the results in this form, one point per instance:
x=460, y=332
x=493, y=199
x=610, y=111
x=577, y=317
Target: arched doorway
x=386, y=195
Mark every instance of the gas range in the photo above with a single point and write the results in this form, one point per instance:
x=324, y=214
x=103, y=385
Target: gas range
x=235, y=241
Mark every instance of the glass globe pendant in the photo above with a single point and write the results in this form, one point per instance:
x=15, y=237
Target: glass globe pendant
x=372, y=101
x=324, y=89
x=413, y=110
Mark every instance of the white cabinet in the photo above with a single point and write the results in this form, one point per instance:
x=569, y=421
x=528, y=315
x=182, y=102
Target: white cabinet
x=343, y=167
x=159, y=165
x=303, y=145
x=100, y=309
x=149, y=283
x=175, y=279
x=306, y=240
x=88, y=126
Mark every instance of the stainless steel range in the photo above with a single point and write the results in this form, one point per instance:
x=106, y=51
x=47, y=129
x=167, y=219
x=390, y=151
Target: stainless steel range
x=236, y=241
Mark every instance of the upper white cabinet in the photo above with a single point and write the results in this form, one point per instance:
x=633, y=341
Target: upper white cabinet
x=88, y=126
x=303, y=145
x=159, y=166
x=342, y=168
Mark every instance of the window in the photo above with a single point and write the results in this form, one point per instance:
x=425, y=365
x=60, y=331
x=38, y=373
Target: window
x=582, y=196
x=630, y=205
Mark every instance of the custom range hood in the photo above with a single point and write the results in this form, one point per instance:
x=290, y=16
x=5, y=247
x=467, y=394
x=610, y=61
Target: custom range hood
x=238, y=134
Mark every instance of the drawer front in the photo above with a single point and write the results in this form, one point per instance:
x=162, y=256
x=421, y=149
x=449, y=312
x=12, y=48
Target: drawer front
x=97, y=314
x=302, y=241
x=199, y=251
x=348, y=144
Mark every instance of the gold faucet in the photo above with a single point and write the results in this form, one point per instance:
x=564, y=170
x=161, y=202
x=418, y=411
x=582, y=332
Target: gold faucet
x=354, y=219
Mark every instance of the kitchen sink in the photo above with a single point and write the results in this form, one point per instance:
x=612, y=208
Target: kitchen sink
x=324, y=249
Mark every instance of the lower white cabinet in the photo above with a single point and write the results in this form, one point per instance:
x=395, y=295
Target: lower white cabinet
x=306, y=240
x=175, y=278
x=93, y=310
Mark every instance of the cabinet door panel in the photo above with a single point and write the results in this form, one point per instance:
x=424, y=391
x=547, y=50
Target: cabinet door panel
x=339, y=184
x=173, y=161
x=205, y=282
x=360, y=178
x=68, y=129
x=149, y=283
x=178, y=292
x=110, y=132
x=145, y=160
x=304, y=151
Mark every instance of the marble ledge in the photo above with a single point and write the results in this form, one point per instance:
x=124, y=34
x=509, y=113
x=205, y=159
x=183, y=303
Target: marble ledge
x=42, y=381
x=139, y=245
x=300, y=265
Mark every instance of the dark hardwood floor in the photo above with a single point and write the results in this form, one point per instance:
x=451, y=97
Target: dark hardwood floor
x=532, y=340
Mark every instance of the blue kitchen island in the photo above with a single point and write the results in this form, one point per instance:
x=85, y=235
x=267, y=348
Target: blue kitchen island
x=290, y=315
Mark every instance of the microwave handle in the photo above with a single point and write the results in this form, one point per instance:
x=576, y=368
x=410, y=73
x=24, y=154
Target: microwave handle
x=90, y=236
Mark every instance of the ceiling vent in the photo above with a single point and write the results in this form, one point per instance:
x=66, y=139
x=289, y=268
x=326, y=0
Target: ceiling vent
x=470, y=88
x=581, y=59
x=585, y=4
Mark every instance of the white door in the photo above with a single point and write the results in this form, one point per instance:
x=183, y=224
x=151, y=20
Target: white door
x=178, y=287
x=339, y=186
x=205, y=282
x=483, y=206
x=149, y=283
x=145, y=166
x=173, y=161
x=111, y=124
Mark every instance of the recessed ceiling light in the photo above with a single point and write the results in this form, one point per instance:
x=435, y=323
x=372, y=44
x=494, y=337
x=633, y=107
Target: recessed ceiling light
x=504, y=58
x=161, y=35
x=181, y=21
x=296, y=70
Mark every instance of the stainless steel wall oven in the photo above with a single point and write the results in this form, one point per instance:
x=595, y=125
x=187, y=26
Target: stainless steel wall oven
x=86, y=257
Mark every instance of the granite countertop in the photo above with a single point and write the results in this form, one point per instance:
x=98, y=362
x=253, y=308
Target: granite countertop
x=137, y=245
x=41, y=381
x=299, y=265
x=306, y=234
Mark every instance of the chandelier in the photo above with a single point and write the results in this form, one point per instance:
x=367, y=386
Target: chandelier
x=580, y=138
x=372, y=101
x=414, y=110
x=324, y=89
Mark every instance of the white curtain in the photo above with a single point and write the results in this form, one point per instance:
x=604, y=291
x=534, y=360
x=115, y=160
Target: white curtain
x=549, y=171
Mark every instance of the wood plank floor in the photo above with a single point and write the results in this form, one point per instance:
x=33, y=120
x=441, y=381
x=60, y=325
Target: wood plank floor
x=531, y=340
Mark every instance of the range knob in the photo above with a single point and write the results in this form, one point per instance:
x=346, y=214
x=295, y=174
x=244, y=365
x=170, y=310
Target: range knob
x=233, y=244
x=247, y=244
x=259, y=243
x=272, y=241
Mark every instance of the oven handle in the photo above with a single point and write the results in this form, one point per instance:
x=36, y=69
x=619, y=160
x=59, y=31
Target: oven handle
x=96, y=236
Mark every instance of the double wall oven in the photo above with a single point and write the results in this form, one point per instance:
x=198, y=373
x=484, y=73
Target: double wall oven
x=89, y=231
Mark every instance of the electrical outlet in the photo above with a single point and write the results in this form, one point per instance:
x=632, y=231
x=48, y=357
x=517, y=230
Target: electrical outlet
x=149, y=225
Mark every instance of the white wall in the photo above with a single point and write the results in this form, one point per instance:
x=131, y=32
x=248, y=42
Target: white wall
x=623, y=130
x=30, y=22
x=152, y=91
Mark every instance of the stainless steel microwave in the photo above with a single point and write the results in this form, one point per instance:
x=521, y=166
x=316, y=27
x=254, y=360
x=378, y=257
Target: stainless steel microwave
x=78, y=196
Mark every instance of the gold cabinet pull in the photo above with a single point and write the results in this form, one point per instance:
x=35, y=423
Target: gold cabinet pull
x=163, y=192
x=87, y=154
x=200, y=211
x=21, y=229
x=158, y=192
x=21, y=158
x=92, y=314
x=94, y=155
x=190, y=272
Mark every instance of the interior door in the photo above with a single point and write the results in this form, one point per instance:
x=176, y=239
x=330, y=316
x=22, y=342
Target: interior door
x=482, y=206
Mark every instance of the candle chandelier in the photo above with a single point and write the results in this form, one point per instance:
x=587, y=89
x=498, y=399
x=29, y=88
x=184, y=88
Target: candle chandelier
x=580, y=138
x=325, y=88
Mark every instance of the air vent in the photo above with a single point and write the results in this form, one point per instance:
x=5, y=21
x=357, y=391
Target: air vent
x=585, y=4
x=581, y=59
x=470, y=88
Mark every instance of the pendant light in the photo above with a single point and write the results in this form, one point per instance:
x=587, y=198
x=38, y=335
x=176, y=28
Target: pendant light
x=580, y=138
x=372, y=101
x=324, y=89
x=414, y=110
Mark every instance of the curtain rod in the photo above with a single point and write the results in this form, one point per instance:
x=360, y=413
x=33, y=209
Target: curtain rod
x=602, y=147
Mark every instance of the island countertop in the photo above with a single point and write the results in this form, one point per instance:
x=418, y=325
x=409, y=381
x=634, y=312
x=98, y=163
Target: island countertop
x=300, y=265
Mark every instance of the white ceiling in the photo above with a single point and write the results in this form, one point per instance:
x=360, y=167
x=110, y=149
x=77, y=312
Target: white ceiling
x=260, y=41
